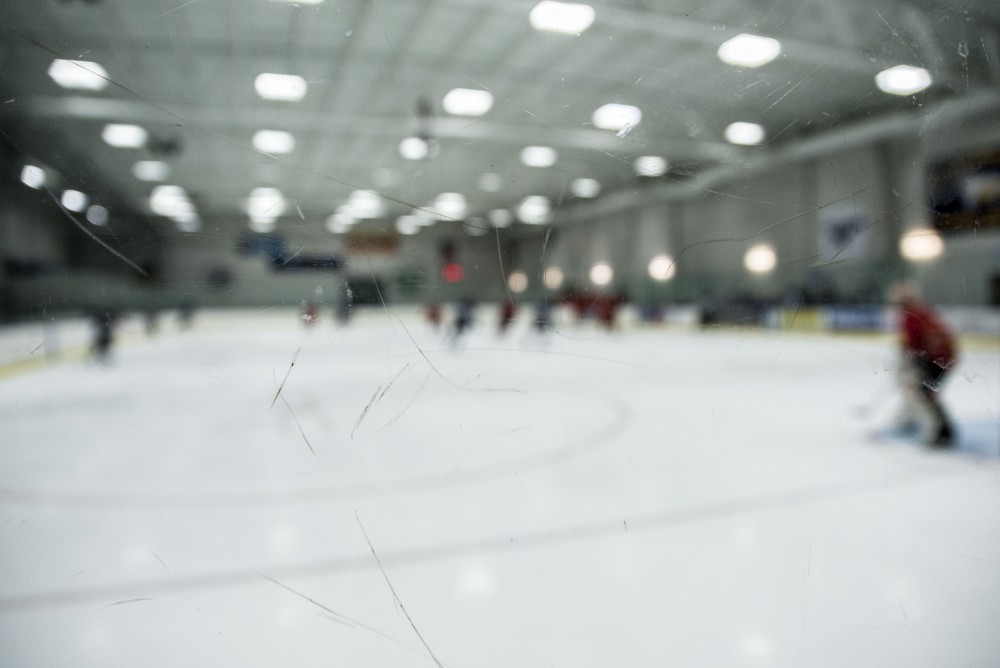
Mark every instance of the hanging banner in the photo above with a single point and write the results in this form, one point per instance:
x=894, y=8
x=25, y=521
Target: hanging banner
x=843, y=233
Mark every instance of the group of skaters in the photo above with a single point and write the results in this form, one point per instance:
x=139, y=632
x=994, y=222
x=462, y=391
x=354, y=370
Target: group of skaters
x=105, y=323
x=927, y=346
x=599, y=308
x=928, y=349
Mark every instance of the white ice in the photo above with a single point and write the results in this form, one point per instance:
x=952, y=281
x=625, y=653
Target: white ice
x=653, y=497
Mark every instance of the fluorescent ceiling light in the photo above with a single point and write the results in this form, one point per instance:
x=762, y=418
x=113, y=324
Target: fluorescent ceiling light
x=261, y=226
x=364, y=204
x=339, y=223
x=517, y=282
x=187, y=218
x=170, y=201
x=586, y=188
x=903, y=80
x=151, y=170
x=538, y=156
x=265, y=204
x=662, y=268
x=97, y=215
x=411, y=219
x=500, y=218
x=414, y=148
x=650, y=165
x=189, y=224
x=745, y=134
x=347, y=212
x=299, y=2
x=534, y=210
x=33, y=177
x=760, y=259
x=561, y=17
x=450, y=205
x=921, y=245
x=749, y=50
x=424, y=218
x=122, y=135
x=467, y=102
x=407, y=225
x=274, y=141
x=74, y=200
x=79, y=74
x=601, y=274
x=553, y=278
x=285, y=87
x=616, y=117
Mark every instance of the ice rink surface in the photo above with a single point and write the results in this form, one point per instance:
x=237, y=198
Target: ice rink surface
x=647, y=498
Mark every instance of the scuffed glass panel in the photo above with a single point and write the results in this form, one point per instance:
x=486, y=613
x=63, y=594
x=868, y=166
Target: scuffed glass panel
x=469, y=333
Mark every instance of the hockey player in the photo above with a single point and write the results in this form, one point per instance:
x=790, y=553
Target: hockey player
x=929, y=353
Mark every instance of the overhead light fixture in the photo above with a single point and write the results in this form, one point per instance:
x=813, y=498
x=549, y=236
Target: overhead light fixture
x=517, y=282
x=650, y=165
x=124, y=135
x=562, y=17
x=188, y=223
x=601, y=274
x=539, y=156
x=616, y=117
x=284, y=87
x=450, y=205
x=553, y=278
x=171, y=202
x=760, y=259
x=151, y=170
x=74, y=200
x=365, y=204
x=339, y=223
x=662, y=268
x=749, y=50
x=424, y=218
x=300, y=2
x=265, y=205
x=903, y=80
x=921, y=245
x=535, y=210
x=407, y=225
x=586, y=188
x=274, y=141
x=97, y=215
x=262, y=226
x=467, y=102
x=500, y=218
x=78, y=74
x=33, y=177
x=414, y=148
x=744, y=134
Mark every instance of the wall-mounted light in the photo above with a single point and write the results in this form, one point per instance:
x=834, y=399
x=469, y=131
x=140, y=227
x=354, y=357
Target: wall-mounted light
x=662, y=268
x=921, y=245
x=760, y=259
x=601, y=274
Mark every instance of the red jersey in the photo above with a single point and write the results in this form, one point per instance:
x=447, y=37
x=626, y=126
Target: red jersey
x=925, y=335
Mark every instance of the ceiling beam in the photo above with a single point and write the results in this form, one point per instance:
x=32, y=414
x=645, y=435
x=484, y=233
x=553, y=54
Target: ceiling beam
x=217, y=120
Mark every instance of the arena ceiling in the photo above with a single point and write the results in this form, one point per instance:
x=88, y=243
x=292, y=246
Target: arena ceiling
x=180, y=83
